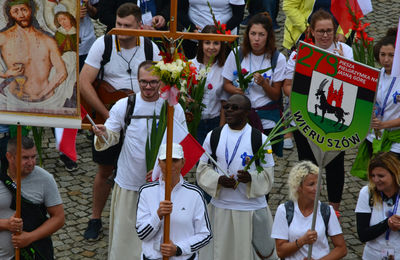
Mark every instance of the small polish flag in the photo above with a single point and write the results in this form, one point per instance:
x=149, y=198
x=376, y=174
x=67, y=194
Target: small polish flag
x=342, y=15
x=192, y=150
x=66, y=139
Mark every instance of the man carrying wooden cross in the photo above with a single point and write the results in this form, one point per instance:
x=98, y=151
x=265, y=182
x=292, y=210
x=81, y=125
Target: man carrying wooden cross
x=131, y=171
x=127, y=52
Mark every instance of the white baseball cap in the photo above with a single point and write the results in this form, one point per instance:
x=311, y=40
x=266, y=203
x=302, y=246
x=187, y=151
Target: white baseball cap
x=177, y=151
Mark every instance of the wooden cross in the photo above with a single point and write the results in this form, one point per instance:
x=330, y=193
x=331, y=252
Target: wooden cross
x=172, y=35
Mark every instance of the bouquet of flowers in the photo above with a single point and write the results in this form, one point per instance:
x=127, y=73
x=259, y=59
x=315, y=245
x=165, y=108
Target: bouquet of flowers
x=176, y=72
x=241, y=75
x=196, y=94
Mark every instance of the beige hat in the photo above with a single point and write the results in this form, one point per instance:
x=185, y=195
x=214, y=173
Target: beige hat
x=177, y=151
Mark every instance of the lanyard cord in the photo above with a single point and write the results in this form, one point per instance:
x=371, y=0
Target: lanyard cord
x=390, y=214
x=387, y=96
x=229, y=161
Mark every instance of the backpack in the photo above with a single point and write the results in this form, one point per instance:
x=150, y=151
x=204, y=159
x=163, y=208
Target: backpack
x=274, y=58
x=256, y=142
x=324, y=208
x=148, y=52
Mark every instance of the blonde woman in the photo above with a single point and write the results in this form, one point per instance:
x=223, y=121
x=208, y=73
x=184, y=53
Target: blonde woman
x=293, y=236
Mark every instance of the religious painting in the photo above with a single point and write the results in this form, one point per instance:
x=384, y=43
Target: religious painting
x=38, y=61
x=332, y=98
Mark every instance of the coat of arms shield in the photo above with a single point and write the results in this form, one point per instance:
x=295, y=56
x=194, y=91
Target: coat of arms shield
x=332, y=98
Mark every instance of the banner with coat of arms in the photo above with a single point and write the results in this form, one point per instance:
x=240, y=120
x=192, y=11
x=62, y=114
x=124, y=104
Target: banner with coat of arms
x=332, y=98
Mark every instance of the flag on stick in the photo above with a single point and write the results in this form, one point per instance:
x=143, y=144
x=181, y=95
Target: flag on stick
x=342, y=15
x=66, y=139
x=191, y=148
x=396, y=58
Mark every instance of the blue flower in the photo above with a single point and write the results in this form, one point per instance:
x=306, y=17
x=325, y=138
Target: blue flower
x=266, y=76
x=396, y=97
x=235, y=73
x=246, y=158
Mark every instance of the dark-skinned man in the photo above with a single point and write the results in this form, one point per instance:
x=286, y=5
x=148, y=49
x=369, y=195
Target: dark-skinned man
x=239, y=198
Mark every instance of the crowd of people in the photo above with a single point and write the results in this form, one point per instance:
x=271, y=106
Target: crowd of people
x=225, y=215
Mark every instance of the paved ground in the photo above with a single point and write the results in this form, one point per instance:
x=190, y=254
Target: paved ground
x=76, y=188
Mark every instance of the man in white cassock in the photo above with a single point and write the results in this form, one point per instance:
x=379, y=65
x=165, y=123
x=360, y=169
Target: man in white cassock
x=240, y=217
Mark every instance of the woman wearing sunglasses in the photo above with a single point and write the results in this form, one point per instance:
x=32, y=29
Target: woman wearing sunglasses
x=264, y=90
x=323, y=31
x=377, y=211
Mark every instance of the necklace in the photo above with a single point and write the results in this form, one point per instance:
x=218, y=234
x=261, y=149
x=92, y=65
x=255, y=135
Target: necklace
x=119, y=52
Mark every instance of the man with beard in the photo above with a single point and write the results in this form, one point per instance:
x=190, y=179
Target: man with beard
x=29, y=55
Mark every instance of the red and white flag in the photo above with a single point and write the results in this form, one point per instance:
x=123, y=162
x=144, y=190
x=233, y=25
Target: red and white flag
x=396, y=58
x=342, y=15
x=192, y=150
x=66, y=139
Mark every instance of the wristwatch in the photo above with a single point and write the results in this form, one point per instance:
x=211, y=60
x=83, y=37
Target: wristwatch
x=178, y=251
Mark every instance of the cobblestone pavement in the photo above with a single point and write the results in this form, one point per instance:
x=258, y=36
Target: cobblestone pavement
x=76, y=187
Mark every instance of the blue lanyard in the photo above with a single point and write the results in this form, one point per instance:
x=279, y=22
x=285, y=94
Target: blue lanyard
x=387, y=96
x=391, y=214
x=228, y=163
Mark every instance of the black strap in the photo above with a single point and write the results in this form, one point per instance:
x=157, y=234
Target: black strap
x=324, y=208
x=256, y=142
x=326, y=213
x=105, y=58
x=214, y=140
x=129, y=110
x=274, y=60
x=33, y=216
x=289, y=207
x=148, y=49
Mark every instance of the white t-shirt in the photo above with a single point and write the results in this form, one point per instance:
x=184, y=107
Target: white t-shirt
x=236, y=199
x=86, y=32
x=131, y=170
x=299, y=227
x=115, y=71
x=392, y=109
x=212, y=97
x=199, y=12
x=255, y=92
x=373, y=248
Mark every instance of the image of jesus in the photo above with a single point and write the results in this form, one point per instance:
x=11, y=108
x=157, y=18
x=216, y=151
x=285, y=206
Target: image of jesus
x=29, y=56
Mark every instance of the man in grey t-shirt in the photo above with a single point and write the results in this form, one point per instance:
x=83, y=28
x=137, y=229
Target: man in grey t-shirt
x=40, y=188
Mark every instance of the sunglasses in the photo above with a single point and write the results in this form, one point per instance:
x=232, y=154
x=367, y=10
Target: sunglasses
x=233, y=107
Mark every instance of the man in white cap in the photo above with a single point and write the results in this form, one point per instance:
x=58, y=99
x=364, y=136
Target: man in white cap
x=131, y=171
x=190, y=227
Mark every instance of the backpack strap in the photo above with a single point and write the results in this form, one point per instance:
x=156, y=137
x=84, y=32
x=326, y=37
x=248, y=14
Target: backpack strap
x=214, y=140
x=148, y=49
x=289, y=207
x=324, y=208
x=240, y=52
x=105, y=58
x=129, y=110
x=326, y=213
x=256, y=142
x=274, y=60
